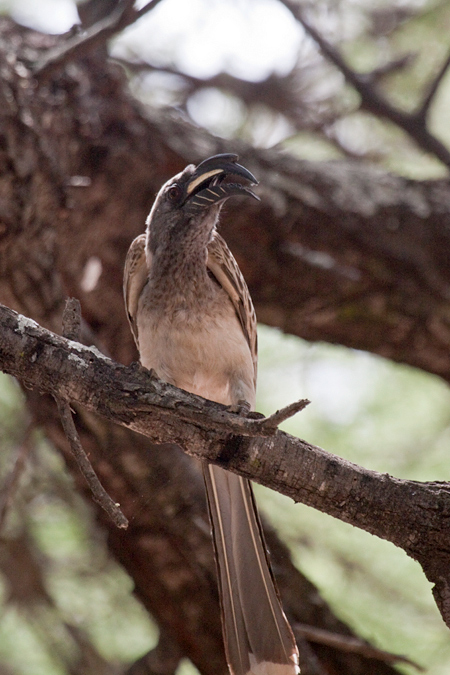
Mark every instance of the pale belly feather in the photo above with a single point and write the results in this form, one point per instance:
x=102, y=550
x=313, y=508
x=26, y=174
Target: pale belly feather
x=210, y=357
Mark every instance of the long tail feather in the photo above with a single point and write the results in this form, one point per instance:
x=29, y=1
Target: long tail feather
x=258, y=638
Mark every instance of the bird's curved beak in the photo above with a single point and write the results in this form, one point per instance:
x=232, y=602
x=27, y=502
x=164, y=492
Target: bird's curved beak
x=207, y=185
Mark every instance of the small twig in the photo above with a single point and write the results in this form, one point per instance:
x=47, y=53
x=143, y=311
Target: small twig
x=71, y=329
x=124, y=15
x=347, y=643
x=10, y=485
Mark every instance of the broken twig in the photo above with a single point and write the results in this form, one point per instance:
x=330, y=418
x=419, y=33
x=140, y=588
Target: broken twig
x=98, y=491
x=268, y=425
x=71, y=329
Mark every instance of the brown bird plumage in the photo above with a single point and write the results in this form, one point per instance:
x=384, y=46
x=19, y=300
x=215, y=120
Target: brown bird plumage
x=193, y=321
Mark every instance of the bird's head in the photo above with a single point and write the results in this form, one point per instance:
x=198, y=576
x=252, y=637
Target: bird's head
x=189, y=203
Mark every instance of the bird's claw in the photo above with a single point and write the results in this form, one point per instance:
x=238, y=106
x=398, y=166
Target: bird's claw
x=242, y=407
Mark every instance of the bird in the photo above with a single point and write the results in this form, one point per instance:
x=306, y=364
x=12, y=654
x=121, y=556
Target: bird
x=194, y=324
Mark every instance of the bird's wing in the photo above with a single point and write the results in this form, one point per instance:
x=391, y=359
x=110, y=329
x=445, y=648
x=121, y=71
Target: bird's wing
x=225, y=269
x=134, y=279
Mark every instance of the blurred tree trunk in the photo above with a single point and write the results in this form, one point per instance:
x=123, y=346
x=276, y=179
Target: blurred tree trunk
x=337, y=252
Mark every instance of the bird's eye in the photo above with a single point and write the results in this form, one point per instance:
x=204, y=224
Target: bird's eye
x=174, y=193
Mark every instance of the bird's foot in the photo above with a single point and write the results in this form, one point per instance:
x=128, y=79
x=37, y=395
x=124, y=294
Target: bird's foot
x=242, y=407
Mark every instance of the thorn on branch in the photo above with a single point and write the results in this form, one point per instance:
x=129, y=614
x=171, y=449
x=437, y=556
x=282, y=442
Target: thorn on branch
x=433, y=87
x=270, y=424
x=72, y=324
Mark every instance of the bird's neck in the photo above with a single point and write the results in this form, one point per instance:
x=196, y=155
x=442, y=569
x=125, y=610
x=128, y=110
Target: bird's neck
x=178, y=272
x=185, y=268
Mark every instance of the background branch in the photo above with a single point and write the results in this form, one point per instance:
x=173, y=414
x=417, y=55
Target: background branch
x=74, y=47
x=351, y=644
x=371, y=100
x=422, y=112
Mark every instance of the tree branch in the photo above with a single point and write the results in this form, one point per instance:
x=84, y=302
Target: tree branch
x=410, y=514
x=373, y=101
x=281, y=94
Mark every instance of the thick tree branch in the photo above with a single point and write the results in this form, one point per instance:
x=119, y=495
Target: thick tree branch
x=411, y=515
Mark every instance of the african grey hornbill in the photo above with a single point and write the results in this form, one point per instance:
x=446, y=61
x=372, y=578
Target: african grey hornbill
x=193, y=321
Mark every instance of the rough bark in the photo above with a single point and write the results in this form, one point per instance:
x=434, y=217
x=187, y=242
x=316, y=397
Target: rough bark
x=337, y=252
